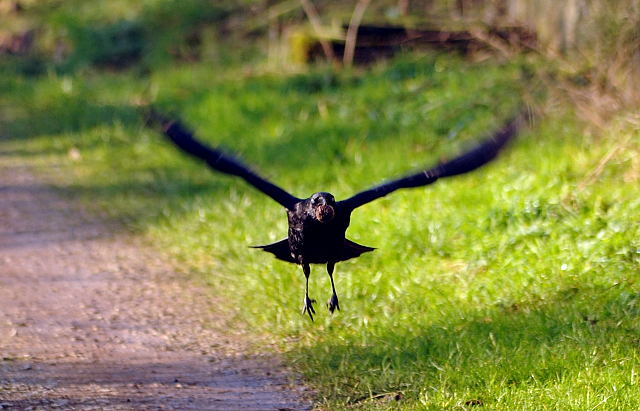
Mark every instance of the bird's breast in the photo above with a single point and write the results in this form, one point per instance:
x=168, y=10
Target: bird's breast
x=316, y=242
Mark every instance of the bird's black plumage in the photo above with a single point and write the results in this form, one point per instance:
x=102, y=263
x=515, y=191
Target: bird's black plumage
x=317, y=225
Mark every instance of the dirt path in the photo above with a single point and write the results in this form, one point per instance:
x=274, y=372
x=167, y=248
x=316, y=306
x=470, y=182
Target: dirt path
x=90, y=320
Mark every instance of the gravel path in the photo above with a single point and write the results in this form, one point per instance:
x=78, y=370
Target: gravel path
x=91, y=320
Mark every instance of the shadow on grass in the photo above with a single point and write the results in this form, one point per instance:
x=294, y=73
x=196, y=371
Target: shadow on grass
x=69, y=115
x=484, y=351
x=139, y=204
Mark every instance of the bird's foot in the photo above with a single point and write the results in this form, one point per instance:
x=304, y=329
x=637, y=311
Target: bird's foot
x=308, y=307
x=332, y=303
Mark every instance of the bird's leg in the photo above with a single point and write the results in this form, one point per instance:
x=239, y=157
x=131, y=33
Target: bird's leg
x=308, y=302
x=332, y=304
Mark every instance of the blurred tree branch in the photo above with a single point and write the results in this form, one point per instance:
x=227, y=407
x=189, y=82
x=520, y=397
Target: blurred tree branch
x=314, y=18
x=352, y=32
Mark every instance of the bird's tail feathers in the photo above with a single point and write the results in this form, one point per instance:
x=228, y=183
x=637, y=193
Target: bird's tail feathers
x=353, y=250
x=280, y=249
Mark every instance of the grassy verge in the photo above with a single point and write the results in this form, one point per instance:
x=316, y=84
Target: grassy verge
x=515, y=287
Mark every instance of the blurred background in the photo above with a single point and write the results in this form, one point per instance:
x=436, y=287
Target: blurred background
x=599, y=37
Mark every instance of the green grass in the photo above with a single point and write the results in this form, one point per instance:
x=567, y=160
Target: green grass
x=515, y=286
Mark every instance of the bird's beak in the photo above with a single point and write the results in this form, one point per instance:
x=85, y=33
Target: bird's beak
x=325, y=213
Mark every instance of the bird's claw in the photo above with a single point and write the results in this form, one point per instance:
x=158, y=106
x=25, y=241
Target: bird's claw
x=332, y=303
x=308, y=307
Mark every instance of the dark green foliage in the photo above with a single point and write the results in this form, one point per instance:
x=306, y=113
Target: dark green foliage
x=118, y=45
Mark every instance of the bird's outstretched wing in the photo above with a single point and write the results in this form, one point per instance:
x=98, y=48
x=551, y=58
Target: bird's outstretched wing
x=478, y=156
x=221, y=161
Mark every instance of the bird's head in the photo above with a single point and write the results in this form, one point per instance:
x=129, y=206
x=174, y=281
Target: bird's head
x=323, y=206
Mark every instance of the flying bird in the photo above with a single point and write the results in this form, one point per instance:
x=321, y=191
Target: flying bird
x=317, y=225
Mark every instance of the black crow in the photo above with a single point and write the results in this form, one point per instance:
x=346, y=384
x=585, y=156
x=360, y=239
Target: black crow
x=317, y=225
